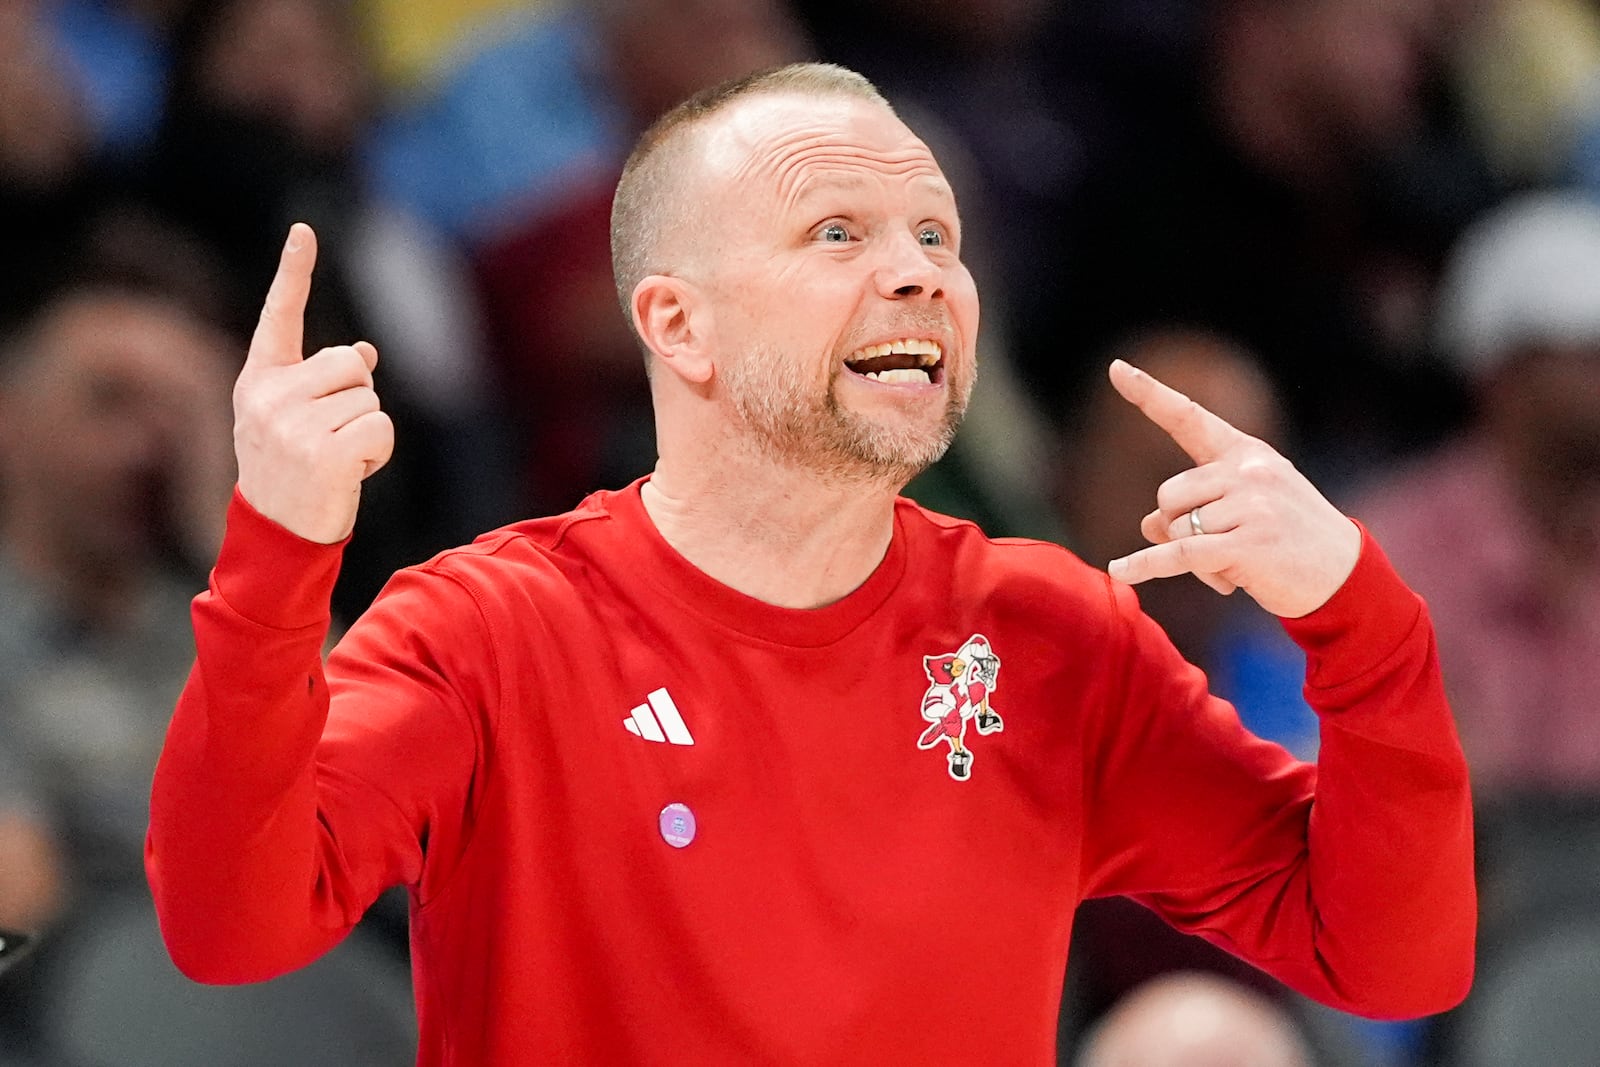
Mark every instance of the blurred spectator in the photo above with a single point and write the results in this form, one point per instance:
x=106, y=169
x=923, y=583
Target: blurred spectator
x=518, y=153
x=63, y=201
x=116, y=464
x=1191, y=1020
x=43, y=128
x=47, y=185
x=1500, y=531
x=115, y=468
x=268, y=107
x=1297, y=198
x=117, y=58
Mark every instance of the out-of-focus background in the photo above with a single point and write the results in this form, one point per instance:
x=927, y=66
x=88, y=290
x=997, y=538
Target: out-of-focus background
x=1365, y=230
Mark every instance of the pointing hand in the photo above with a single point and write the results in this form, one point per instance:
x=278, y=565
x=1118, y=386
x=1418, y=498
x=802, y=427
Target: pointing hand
x=307, y=432
x=1243, y=517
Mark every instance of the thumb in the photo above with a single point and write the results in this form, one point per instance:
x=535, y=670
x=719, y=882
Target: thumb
x=280, y=334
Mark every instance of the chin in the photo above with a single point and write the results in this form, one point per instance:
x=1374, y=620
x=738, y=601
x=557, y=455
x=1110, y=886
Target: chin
x=889, y=452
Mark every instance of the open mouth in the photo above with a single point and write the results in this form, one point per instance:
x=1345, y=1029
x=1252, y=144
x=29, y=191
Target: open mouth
x=907, y=361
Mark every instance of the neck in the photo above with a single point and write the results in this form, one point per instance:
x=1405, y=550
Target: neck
x=776, y=533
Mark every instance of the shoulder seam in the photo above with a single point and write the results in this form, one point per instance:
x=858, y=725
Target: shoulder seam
x=491, y=543
x=941, y=521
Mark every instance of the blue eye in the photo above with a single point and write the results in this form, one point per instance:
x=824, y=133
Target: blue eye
x=931, y=237
x=834, y=233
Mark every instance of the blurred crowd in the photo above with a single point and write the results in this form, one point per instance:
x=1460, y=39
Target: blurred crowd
x=1367, y=231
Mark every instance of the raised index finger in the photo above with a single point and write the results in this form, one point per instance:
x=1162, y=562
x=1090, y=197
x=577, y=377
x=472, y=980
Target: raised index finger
x=280, y=335
x=1198, y=432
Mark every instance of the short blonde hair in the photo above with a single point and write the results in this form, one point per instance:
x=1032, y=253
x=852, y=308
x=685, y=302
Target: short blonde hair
x=648, y=200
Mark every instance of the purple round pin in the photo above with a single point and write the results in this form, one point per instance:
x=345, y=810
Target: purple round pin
x=677, y=825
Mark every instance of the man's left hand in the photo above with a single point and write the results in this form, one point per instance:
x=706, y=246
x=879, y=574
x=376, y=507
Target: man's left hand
x=1243, y=517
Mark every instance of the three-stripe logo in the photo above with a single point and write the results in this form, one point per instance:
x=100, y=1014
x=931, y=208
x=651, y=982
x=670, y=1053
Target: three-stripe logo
x=658, y=720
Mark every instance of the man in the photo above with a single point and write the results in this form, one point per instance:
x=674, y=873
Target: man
x=1195, y=1020
x=650, y=769
x=1516, y=592
x=115, y=463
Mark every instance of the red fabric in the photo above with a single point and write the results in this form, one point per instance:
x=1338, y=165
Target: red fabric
x=466, y=739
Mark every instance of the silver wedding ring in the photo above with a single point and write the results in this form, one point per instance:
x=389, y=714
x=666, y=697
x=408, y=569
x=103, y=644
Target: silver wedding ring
x=1194, y=522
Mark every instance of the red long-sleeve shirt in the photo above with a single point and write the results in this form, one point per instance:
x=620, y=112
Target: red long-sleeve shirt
x=492, y=735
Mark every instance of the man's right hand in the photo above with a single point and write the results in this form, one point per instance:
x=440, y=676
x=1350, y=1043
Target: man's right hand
x=307, y=432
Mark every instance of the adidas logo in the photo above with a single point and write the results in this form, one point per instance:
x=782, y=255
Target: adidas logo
x=658, y=720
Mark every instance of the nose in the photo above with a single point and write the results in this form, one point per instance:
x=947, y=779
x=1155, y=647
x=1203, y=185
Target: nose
x=908, y=271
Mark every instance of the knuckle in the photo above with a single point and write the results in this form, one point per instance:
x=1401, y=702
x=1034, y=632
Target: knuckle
x=1166, y=494
x=248, y=406
x=1257, y=470
x=336, y=357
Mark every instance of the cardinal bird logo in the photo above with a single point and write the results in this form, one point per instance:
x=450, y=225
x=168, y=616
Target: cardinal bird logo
x=960, y=684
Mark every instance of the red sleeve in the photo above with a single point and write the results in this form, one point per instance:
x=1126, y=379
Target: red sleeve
x=1351, y=881
x=287, y=796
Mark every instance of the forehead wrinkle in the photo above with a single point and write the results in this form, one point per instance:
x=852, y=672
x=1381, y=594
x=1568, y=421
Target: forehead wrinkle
x=767, y=132
x=823, y=166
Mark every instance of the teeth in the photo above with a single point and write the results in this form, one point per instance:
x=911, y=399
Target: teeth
x=928, y=352
x=902, y=376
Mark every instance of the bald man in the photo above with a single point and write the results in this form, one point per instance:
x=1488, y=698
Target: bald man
x=651, y=770
x=1195, y=1020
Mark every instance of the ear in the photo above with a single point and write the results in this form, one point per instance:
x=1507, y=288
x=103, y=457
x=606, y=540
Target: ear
x=676, y=324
